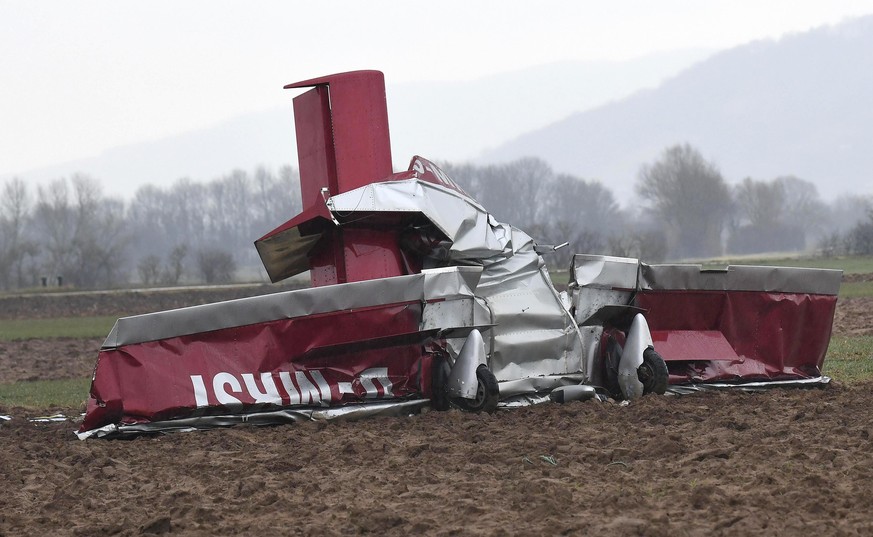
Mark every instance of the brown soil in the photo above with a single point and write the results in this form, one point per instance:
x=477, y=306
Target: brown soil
x=784, y=462
x=854, y=317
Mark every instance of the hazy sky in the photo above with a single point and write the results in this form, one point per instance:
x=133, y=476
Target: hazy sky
x=81, y=77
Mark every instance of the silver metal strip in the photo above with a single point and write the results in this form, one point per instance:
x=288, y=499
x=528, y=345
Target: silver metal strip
x=741, y=278
x=443, y=283
x=682, y=389
x=276, y=417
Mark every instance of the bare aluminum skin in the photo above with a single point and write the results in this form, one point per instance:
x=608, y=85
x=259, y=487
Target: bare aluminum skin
x=272, y=417
x=741, y=278
x=452, y=284
x=534, y=338
x=684, y=389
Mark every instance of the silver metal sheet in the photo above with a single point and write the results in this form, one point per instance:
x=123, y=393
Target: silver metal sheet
x=48, y=419
x=463, y=221
x=520, y=401
x=286, y=254
x=546, y=383
x=535, y=335
x=741, y=278
x=275, y=417
x=682, y=389
x=588, y=301
x=445, y=283
x=604, y=271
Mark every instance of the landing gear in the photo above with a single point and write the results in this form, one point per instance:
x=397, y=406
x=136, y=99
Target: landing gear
x=611, y=359
x=487, y=390
x=440, y=398
x=487, y=393
x=653, y=373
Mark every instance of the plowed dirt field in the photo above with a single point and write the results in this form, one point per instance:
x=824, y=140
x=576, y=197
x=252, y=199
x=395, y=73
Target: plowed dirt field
x=783, y=462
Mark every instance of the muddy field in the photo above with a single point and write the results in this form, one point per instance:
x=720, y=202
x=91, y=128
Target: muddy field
x=784, y=462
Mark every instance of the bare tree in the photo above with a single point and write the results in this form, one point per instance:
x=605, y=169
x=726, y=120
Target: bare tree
x=187, y=203
x=216, y=266
x=149, y=268
x=55, y=221
x=175, y=264
x=847, y=210
x=690, y=197
x=82, y=233
x=770, y=213
x=860, y=238
x=760, y=202
x=802, y=205
x=513, y=192
x=275, y=198
x=15, y=246
x=646, y=245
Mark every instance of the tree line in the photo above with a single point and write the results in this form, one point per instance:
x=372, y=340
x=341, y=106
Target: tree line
x=68, y=232
x=685, y=210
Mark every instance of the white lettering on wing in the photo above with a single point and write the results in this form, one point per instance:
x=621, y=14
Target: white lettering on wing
x=219, y=382
x=307, y=387
x=270, y=394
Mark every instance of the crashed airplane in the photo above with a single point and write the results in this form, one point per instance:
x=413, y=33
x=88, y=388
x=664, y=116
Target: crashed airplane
x=420, y=298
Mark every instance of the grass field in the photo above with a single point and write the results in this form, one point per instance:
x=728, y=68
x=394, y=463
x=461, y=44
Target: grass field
x=45, y=394
x=75, y=327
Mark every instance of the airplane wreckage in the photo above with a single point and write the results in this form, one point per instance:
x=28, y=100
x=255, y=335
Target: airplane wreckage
x=419, y=297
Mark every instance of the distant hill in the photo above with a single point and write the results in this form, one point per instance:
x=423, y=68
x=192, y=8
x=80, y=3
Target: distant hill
x=800, y=105
x=441, y=120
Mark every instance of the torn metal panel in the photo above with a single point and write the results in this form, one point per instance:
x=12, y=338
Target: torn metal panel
x=604, y=272
x=599, y=282
x=741, y=278
x=449, y=283
x=274, y=417
x=285, y=251
x=512, y=389
x=534, y=335
x=813, y=382
x=460, y=219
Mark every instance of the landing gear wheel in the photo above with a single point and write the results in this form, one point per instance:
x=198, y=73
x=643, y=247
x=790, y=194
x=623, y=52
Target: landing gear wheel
x=440, y=398
x=611, y=360
x=653, y=373
x=487, y=393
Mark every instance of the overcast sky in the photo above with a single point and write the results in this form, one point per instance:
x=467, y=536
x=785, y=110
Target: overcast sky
x=82, y=77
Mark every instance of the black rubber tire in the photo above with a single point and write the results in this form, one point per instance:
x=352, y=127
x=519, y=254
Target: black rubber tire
x=610, y=368
x=653, y=373
x=440, y=399
x=487, y=393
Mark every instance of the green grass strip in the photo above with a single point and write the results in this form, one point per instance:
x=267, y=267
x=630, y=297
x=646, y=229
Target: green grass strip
x=44, y=394
x=75, y=327
x=850, y=358
x=856, y=289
